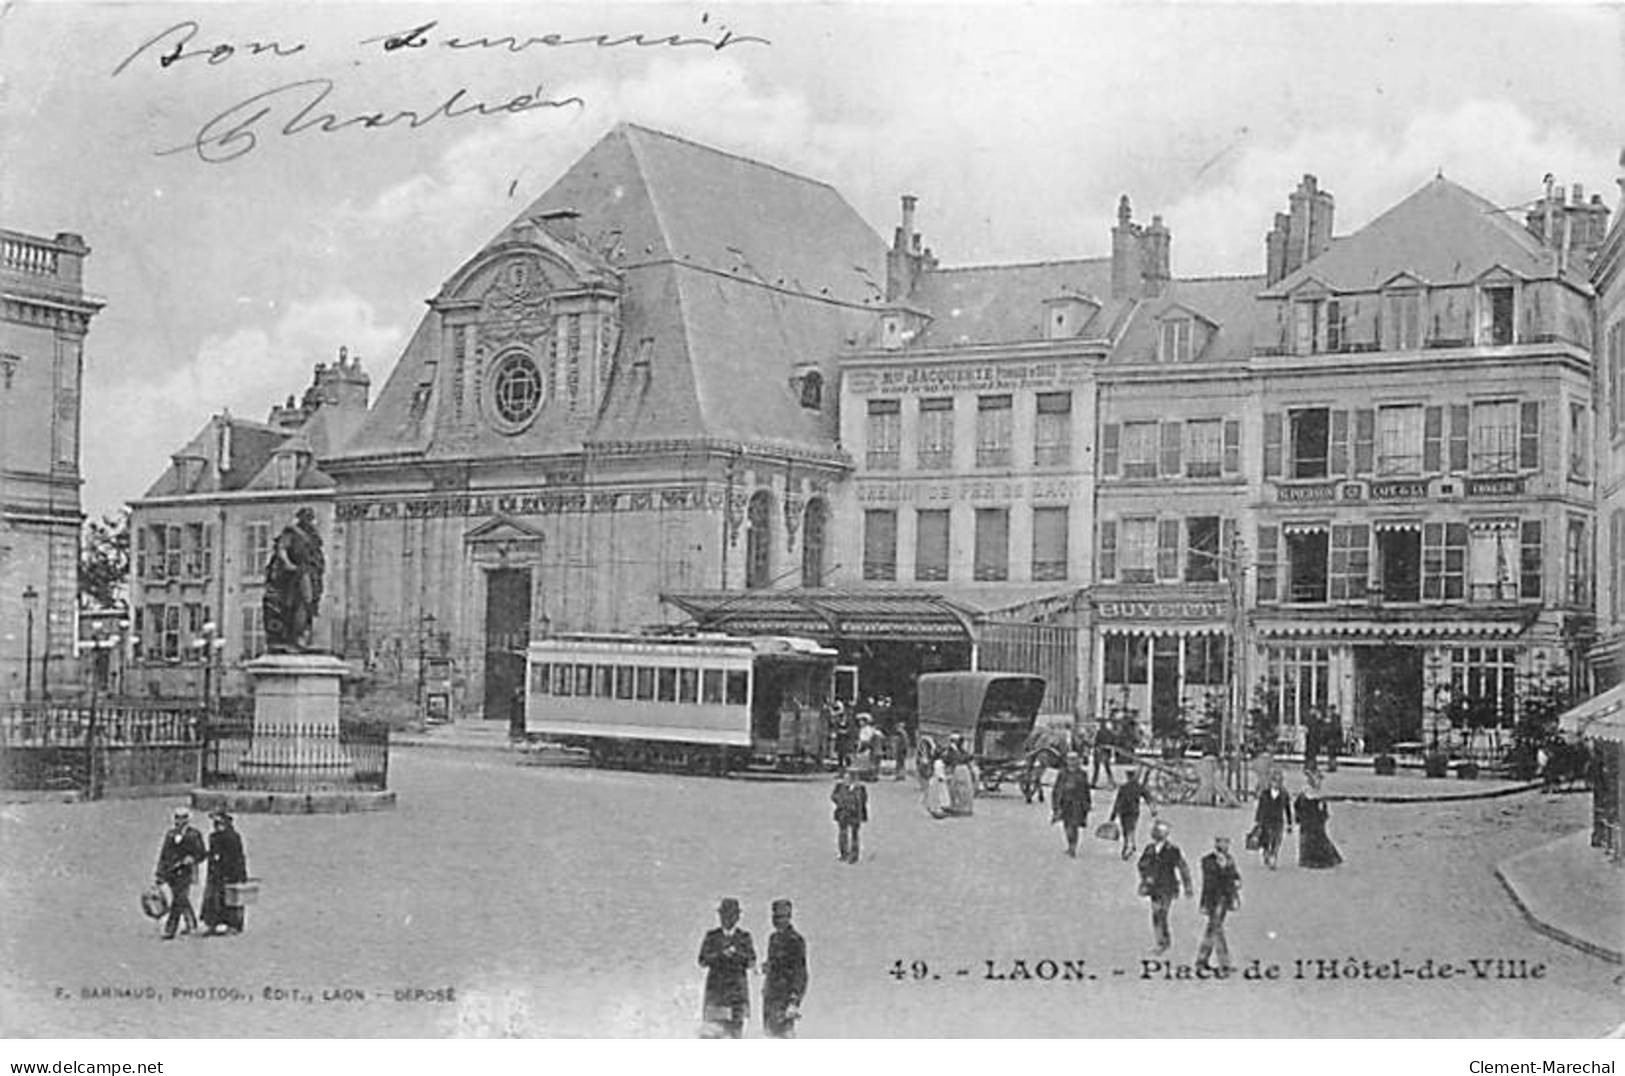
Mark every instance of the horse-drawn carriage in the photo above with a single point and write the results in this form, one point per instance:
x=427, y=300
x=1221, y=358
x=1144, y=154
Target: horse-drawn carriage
x=992, y=711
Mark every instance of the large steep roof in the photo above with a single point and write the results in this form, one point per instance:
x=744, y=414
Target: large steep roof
x=1442, y=234
x=734, y=272
x=996, y=304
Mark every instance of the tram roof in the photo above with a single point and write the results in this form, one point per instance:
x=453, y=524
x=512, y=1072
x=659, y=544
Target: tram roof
x=761, y=645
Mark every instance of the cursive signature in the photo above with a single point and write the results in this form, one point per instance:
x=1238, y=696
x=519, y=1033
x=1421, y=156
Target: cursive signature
x=236, y=132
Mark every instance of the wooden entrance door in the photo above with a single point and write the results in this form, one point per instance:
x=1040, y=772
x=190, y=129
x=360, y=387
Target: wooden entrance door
x=507, y=633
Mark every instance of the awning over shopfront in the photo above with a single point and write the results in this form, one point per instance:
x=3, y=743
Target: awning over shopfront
x=1601, y=717
x=943, y=615
x=1378, y=624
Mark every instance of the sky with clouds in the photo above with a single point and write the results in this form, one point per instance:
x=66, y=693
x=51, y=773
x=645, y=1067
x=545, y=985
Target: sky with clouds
x=1017, y=127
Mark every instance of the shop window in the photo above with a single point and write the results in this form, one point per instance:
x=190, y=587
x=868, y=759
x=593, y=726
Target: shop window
x=1486, y=678
x=1298, y=681
x=1127, y=660
x=1306, y=553
x=1205, y=658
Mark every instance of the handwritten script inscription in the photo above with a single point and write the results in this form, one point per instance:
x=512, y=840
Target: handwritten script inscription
x=301, y=106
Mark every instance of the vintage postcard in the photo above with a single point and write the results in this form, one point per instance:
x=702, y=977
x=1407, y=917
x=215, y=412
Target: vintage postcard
x=835, y=520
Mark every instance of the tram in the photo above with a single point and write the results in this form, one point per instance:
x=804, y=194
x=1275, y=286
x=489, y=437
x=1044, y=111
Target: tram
x=703, y=703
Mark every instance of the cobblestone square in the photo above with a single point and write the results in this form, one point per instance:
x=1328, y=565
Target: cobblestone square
x=510, y=899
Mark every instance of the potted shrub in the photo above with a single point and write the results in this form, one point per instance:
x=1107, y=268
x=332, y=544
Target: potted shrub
x=1379, y=739
x=1436, y=763
x=1467, y=771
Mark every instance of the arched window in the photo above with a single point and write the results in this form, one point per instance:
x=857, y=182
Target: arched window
x=812, y=543
x=812, y=390
x=759, y=540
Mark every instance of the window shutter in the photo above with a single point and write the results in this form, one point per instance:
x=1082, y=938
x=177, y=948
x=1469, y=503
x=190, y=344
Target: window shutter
x=1267, y=563
x=1227, y=546
x=1108, y=549
x=1340, y=444
x=141, y=552
x=1432, y=561
x=1232, y=446
x=1365, y=439
x=1459, y=420
x=208, y=550
x=1529, y=436
x=1111, y=435
x=1432, y=439
x=1173, y=434
x=1168, y=549
x=1272, y=445
x=1530, y=561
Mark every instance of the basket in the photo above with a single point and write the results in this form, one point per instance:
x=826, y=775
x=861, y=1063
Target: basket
x=241, y=894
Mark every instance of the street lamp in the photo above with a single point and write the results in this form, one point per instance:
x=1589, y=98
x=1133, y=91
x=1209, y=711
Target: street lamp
x=209, y=645
x=30, y=599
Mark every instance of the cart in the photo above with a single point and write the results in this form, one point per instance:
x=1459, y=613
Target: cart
x=993, y=711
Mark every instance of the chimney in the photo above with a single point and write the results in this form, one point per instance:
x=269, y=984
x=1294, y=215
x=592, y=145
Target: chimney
x=1275, y=250
x=222, y=454
x=1155, y=260
x=562, y=224
x=1127, y=253
x=906, y=259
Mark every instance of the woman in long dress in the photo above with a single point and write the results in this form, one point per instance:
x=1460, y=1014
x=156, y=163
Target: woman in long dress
x=961, y=778
x=227, y=864
x=1315, y=848
x=936, y=789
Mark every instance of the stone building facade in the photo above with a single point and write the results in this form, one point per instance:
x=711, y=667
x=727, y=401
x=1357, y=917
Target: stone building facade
x=201, y=535
x=45, y=315
x=1608, y=275
x=629, y=391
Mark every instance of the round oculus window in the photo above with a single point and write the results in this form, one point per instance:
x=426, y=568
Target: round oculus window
x=516, y=390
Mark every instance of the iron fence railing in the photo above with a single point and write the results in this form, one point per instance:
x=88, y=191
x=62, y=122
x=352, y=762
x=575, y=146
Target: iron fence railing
x=297, y=758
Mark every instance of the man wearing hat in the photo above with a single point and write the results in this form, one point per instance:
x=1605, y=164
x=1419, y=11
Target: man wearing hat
x=786, y=975
x=1126, y=808
x=178, y=858
x=851, y=802
x=727, y=955
x=1163, y=872
x=1069, y=800
x=227, y=865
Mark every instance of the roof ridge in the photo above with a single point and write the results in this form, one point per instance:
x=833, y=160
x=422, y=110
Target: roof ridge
x=1218, y=276
x=725, y=153
x=1104, y=258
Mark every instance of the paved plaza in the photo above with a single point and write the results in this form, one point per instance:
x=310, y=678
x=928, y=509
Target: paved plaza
x=502, y=898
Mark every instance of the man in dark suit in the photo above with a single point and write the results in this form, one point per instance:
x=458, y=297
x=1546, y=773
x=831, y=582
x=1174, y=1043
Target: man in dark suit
x=726, y=954
x=851, y=802
x=1272, y=817
x=785, y=970
x=178, y=858
x=1221, y=895
x=1163, y=873
x=1126, y=808
x=1069, y=800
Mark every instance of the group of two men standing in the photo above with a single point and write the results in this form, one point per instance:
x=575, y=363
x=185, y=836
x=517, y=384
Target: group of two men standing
x=728, y=954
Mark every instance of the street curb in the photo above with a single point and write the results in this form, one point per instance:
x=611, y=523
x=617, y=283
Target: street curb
x=1555, y=932
x=1426, y=797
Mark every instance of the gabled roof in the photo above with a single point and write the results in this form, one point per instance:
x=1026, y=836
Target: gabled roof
x=733, y=271
x=1002, y=304
x=1227, y=303
x=252, y=445
x=1443, y=234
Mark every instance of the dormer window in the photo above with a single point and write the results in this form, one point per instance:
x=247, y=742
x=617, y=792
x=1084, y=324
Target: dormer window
x=1066, y=315
x=1497, y=314
x=1175, y=342
x=1402, y=320
x=1317, y=326
x=891, y=332
x=287, y=469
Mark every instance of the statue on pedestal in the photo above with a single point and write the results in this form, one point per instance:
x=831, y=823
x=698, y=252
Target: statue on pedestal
x=293, y=586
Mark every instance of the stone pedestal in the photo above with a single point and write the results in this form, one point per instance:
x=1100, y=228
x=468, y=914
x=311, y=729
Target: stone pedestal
x=296, y=761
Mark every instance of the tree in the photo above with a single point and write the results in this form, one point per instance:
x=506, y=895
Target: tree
x=104, y=560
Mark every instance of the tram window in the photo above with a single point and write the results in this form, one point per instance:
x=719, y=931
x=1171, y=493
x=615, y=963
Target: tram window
x=561, y=680
x=623, y=681
x=604, y=685
x=711, y=686
x=541, y=679
x=738, y=687
x=584, y=680
x=667, y=685
x=646, y=682
x=688, y=685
